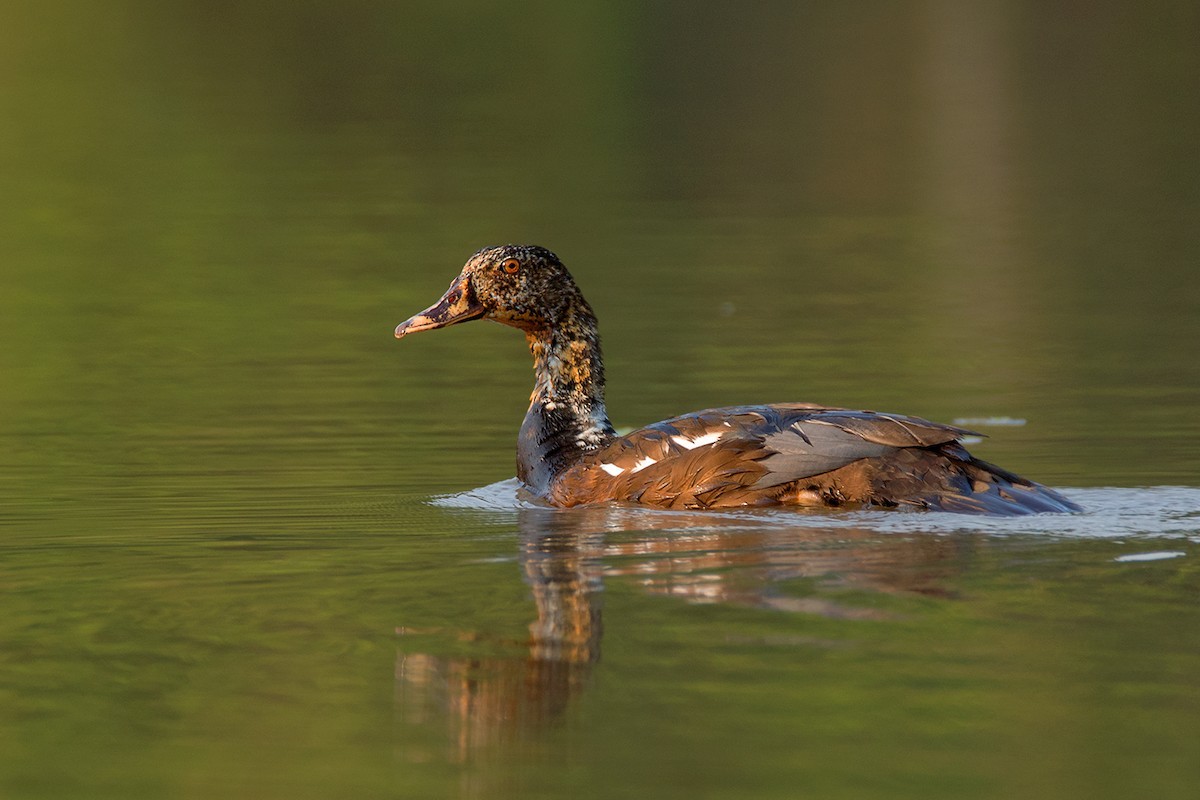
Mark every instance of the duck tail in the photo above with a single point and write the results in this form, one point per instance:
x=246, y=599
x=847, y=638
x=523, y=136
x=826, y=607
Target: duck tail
x=994, y=490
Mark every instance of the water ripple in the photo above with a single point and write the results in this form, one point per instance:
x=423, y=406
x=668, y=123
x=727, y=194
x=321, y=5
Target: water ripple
x=1109, y=513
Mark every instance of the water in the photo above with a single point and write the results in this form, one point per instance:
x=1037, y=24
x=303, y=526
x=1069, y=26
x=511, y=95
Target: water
x=252, y=547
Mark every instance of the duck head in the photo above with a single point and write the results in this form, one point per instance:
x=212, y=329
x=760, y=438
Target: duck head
x=524, y=286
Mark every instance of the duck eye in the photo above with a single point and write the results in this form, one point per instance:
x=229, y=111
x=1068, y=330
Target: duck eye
x=511, y=266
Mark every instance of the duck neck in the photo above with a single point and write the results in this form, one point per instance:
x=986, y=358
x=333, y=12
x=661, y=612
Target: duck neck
x=566, y=416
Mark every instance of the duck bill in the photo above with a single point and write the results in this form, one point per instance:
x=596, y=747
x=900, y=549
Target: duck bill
x=458, y=304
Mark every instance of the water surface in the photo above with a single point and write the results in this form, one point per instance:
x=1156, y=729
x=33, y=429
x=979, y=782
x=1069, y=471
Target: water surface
x=252, y=547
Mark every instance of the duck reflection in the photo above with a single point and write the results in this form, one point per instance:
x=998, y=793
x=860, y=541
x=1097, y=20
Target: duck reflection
x=492, y=699
x=566, y=555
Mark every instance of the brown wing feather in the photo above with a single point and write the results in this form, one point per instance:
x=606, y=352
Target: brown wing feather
x=890, y=429
x=651, y=466
x=797, y=453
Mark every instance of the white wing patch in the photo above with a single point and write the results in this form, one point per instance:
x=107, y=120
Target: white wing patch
x=641, y=465
x=699, y=441
x=683, y=441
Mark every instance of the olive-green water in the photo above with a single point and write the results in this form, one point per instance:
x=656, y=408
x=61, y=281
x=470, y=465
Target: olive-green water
x=252, y=547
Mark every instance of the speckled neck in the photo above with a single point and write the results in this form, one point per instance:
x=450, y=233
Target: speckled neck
x=566, y=414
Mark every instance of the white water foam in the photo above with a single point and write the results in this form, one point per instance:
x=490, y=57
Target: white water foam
x=1159, y=556
x=1109, y=513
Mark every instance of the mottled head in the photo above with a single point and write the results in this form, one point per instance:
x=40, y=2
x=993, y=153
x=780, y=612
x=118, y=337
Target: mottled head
x=524, y=286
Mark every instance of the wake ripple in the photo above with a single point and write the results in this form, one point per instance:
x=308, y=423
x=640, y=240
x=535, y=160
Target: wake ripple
x=1109, y=513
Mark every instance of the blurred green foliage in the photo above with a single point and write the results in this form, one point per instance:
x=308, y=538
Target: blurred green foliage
x=215, y=457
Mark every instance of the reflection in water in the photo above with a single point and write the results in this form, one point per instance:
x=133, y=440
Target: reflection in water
x=740, y=563
x=490, y=699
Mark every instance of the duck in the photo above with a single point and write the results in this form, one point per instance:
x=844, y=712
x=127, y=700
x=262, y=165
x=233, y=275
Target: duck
x=800, y=455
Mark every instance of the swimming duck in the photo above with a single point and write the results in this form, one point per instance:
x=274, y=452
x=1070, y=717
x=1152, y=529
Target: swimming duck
x=797, y=454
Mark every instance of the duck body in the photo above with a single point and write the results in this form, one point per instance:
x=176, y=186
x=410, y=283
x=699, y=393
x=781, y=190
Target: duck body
x=792, y=454
x=795, y=454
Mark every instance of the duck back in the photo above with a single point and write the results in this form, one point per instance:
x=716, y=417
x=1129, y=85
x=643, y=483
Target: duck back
x=798, y=454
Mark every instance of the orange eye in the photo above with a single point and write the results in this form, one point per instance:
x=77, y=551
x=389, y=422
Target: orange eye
x=511, y=266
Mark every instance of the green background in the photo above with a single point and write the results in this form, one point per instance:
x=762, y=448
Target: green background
x=218, y=465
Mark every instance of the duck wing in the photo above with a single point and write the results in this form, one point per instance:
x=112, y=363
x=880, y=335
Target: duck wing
x=812, y=442
x=795, y=454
